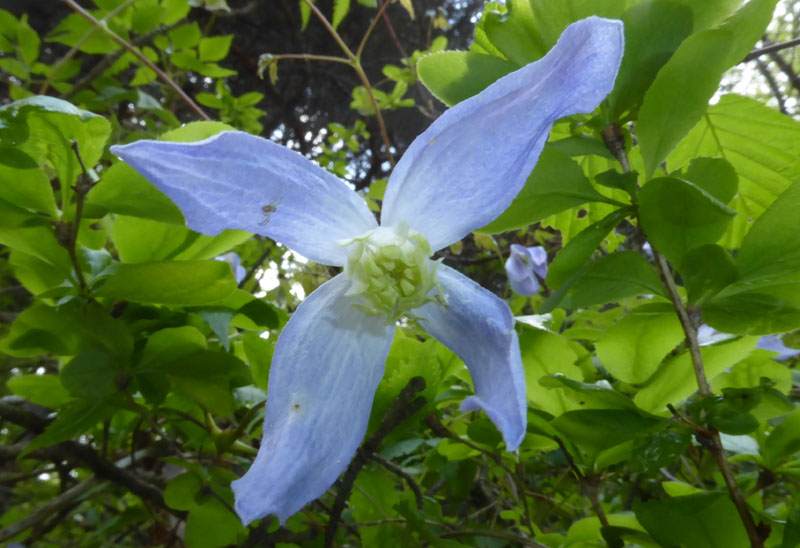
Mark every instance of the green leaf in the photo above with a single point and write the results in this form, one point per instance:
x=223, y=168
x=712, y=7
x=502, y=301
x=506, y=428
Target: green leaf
x=768, y=263
x=749, y=372
x=706, y=271
x=770, y=249
x=653, y=31
x=598, y=429
x=544, y=354
x=610, y=278
x=27, y=232
x=208, y=377
x=677, y=216
x=74, y=29
x=73, y=419
x=51, y=125
x=340, y=10
x=141, y=240
x=305, y=13
x=169, y=344
x=784, y=441
x=710, y=13
x=588, y=396
x=374, y=498
x=663, y=122
x=632, y=349
x=212, y=525
x=760, y=143
x=579, y=250
x=623, y=181
x=714, y=175
x=453, y=76
x=760, y=312
x=556, y=183
x=675, y=379
x=259, y=355
x=181, y=491
x=214, y=48
x=512, y=33
x=658, y=448
x=91, y=374
x=181, y=283
x=791, y=531
x=124, y=191
x=219, y=320
x=701, y=59
x=706, y=519
x=729, y=420
x=185, y=36
x=24, y=183
x=261, y=313
x=44, y=390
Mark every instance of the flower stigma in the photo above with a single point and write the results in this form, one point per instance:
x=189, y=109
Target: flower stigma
x=391, y=268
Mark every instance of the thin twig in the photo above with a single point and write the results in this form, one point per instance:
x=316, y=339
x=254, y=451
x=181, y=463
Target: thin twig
x=492, y=533
x=689, y=330
x=392, y=467
x=82, y=188
x=256, y=266
x=405, y=405
x=773, y=85
x=771, y=48
x=139, y=55
x=85, y=38
x=355, y=62
x=587, y=485
x=368, y=33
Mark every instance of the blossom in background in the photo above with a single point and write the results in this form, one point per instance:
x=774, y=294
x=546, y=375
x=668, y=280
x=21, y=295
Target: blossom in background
x=707, y=335
x=460, y=174
x=774, y=343
x=523, y=265
x=235, y=263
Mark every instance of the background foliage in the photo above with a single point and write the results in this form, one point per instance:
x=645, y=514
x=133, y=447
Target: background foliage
x=658, y=357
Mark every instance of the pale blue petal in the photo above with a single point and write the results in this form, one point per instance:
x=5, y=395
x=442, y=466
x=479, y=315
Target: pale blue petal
x=479, y=328
x=468, y=166
x=774, y=343
x=237, y=180
x=326, y=367
x=522, y=267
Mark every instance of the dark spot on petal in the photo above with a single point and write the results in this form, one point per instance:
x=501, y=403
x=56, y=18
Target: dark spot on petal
x=296, y=407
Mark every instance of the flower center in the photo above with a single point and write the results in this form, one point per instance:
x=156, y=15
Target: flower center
x=391, y=268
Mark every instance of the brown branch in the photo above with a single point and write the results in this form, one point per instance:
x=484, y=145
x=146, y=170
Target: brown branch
x=87, y=457
x=405, y=405
x=65, y=500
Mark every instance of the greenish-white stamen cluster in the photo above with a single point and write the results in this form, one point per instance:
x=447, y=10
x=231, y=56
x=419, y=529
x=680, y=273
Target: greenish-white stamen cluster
x=391, y=268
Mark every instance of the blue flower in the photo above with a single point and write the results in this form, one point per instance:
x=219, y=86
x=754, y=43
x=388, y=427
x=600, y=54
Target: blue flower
x=523, y=265
x=460, y=174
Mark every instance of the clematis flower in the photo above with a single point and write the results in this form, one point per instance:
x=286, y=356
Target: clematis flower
x=460, y=174
x=523, y=265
